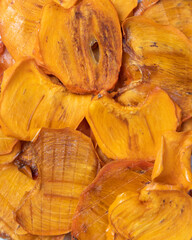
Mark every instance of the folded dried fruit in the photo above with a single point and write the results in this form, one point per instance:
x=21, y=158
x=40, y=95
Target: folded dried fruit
x=86, y=47
x=90, y=220
x=19, y=22
x=176, y=13
x=67, y=164
x=164, y=55
x=153, y=215
x=13, y=187
x=143, y=6
x=173, y=162
x=38, y=102
x=133, y=133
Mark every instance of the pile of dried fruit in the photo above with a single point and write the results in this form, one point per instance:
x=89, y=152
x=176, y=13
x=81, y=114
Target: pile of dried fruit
x=96, y=119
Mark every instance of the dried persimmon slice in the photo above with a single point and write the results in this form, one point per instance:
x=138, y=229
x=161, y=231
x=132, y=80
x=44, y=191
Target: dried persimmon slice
x=144, y=5
x=134, y=133
x=30, y=100
x=153, y=215
x=164, y=56
x=67, y=164
x=173, y=162
x=90, y=220
x=176, y=13
x=85, y=50
x=19, y=21
x=14, y=186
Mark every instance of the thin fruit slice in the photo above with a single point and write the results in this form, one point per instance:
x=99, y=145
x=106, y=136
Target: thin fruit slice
x=85, y=51
x=164, y=55
x=153, y=215
x=38, y=102
x=67, y=164
x=13, y=187
x=19, y=21
x=177, y=13
x=124, y=8
x=173, y=162
x=90, y=220
x=143, y=6
x=133, y=133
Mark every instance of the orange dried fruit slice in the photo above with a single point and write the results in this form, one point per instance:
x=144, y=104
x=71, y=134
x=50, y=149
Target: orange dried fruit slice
x=38, y=102
x=14, y=185
x=153, y=215
x=134, y=133
x=90, y=220
x=176, y=13
x=19, y=21
x=67, y=164
x=144, y=5
x=164, y=55
x=124, y=8
x=85, y=51
x=173, y=162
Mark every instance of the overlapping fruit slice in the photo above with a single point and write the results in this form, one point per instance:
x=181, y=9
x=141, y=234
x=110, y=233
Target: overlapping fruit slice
x=177, y=13
x=13, y=187
x=85, y=51
x=164, y=56
x=30, y=101
x=90, y=220
x=153, y=215
x=19, y=22
x=67, y=164
x=124, y=132
x=172, y=165
x=124, y=8
x=143, y=6
x=9, y=148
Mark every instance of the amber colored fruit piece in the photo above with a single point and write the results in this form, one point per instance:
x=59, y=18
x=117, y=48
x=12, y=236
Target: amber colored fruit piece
x=177, y=13
x=19, y=23
x=133, y=133
x=173, y=162
x=90, y=220
x=153, y=215
x=67, y=164
x=86, y=47
x=143, y=6
x=124, y=8
x=38, y=102
x=164, y=55
x=13, y=187
x=66, y=3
